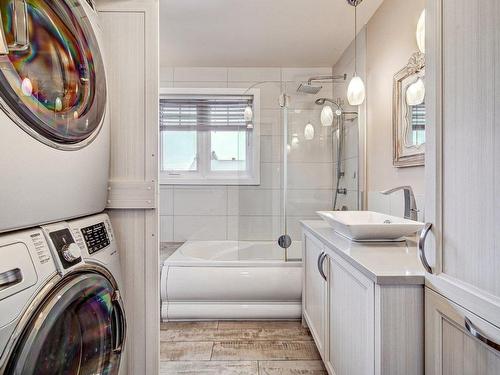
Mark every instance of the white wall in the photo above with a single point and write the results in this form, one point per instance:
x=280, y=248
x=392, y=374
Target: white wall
x=384, y=47
x=352, y=159
x=390, y=43
x=246, y=213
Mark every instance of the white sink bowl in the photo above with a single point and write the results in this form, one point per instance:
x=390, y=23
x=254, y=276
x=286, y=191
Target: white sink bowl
x=370, y=226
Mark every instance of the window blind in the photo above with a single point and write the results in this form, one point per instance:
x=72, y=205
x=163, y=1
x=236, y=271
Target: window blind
x=418, y=117
x=222, y=113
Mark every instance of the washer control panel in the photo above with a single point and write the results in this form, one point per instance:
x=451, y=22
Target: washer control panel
x=96, y=237
x=67, y=250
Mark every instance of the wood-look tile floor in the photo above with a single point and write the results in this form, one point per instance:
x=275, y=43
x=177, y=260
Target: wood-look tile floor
x=238, y=348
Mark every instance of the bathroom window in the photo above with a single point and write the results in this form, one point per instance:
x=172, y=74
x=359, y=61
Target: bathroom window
x=210, y=136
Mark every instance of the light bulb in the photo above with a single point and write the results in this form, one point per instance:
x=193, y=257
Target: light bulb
x=27, y=87
x=309, y=132
x=248, y=115
x=58, y=104
x=356, y=91
x=421, y=32
x=327, y=116
x=415, y=93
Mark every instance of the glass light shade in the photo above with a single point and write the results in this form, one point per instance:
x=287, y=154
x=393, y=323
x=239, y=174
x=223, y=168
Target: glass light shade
x=58, y=104
x=327, y=116
x=356, y=91
x=421, y=32
x=249, y=125
x=248, y=115
x=309, y=132
x=295, y=139
x=27, y=87
x=415, y=93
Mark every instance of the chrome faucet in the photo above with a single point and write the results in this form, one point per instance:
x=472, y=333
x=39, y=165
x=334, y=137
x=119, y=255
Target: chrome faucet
x=410, y=203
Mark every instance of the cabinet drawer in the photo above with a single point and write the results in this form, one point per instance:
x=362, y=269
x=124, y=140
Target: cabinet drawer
x=458, y=341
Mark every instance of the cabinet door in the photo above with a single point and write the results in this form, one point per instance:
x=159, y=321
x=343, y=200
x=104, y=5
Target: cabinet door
x=314, y=292
x=450, y=348
x=463, y=153
x=351, y=319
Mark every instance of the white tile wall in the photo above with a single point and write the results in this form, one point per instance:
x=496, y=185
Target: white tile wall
x=199, y=228
x=254, y=212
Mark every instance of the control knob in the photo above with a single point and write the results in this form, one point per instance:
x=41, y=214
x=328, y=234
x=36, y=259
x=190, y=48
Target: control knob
x=71, y=252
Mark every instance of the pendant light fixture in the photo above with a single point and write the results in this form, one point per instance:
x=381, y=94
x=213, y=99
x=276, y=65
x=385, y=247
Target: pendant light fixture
x=309, y=131
x=356, y=92
x=327, y=116
x=420, y=34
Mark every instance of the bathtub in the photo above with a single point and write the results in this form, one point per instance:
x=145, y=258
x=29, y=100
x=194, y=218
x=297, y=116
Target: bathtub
x=217, y=280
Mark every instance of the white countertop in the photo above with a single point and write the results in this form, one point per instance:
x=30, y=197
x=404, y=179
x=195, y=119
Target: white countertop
x=394, y=263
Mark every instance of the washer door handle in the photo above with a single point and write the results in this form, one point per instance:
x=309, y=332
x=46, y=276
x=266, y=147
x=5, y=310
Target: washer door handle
x=120, y=321
x=10, y=278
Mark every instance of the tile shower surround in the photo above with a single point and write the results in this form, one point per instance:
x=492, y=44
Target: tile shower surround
x=254, y=212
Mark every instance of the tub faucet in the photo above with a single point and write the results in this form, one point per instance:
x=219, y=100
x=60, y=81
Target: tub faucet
x=410, y=203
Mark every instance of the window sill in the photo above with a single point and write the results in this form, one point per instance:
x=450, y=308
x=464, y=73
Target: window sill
x=247, y=181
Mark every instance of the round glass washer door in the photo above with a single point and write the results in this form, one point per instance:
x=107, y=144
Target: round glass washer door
x=79, y=330
x=52, y=79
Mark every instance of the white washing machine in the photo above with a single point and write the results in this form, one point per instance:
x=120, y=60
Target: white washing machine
x=54, y=132
x=61, y=310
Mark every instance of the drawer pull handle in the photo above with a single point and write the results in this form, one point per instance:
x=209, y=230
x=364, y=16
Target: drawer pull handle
x=321, y=259
x=474, y=332
x=421, y=247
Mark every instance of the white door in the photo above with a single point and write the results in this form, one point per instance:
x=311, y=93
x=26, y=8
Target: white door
x=314, y=293
x=351, y=319
x=462, y=172
x=463, y=153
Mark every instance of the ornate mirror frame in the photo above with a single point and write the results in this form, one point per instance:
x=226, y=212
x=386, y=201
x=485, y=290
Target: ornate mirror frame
x=405, y=155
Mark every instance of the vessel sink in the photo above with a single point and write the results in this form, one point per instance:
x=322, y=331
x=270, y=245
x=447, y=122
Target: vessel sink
x=369, y=225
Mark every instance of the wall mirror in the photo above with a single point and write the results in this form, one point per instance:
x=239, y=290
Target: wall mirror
x=409, y=113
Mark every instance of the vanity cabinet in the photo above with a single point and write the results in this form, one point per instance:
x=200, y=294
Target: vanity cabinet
x=364, y=320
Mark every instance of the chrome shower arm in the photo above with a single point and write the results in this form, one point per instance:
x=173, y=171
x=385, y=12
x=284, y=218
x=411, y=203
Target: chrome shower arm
x=327, y=78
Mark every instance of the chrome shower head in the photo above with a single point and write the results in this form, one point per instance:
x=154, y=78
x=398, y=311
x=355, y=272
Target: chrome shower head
x=320, y=101
x=308, y=88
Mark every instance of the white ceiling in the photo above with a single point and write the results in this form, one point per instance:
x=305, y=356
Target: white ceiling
x=271, y=33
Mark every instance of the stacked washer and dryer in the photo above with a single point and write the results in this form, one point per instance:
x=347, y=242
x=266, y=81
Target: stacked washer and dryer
x=60, y=306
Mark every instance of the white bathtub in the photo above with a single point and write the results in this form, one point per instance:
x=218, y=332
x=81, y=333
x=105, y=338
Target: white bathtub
x=218, y=280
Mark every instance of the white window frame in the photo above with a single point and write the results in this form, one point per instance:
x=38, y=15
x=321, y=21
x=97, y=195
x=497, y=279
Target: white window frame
x=202, y=177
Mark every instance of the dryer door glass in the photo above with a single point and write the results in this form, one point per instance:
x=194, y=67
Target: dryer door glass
x=52, y=81
x=78, y=331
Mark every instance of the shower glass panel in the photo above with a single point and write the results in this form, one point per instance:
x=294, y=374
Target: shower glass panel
x=299, y=164
x=321, y=156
